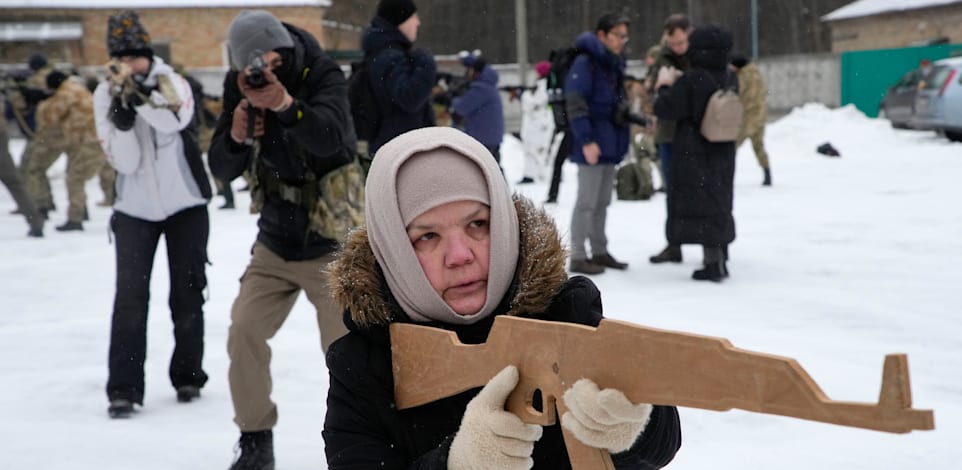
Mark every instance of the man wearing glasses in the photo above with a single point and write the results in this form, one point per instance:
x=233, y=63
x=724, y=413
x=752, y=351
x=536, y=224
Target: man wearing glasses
x=597, y=109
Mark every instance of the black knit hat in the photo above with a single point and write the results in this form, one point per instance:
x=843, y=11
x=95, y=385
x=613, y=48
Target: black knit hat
x=396, y=11
x=37, y=61
x=54, y=79
x=126, y=36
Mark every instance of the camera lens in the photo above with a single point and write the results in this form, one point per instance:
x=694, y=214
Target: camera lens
x=256, y=78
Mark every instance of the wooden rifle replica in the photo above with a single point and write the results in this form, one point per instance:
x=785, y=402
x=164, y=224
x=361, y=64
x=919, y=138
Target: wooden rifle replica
x=648, y=365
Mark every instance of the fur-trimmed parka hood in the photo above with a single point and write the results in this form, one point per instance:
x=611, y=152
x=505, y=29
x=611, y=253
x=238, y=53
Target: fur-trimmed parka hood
x=359, y=287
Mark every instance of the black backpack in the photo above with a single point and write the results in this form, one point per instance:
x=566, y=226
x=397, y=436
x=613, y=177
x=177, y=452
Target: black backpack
x=561, y=60
x=364, y=109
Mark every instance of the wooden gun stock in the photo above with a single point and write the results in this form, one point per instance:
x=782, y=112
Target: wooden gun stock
x=648, y=365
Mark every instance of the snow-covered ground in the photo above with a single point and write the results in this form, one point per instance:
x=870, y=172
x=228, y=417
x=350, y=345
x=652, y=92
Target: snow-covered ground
x=841, y=262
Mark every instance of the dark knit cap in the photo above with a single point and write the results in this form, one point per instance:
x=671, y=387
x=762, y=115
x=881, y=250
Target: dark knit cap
x=126, y=36
x=396, y=11
x=54, y=79
x=739, y=60
x=37, y=61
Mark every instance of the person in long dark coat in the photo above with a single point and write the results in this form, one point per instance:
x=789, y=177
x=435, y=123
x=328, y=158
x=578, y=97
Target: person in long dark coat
x=700, y=196
x=446, y=246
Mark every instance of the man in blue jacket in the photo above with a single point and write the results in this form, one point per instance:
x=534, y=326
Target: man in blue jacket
x=480, y=105
x=596, y=105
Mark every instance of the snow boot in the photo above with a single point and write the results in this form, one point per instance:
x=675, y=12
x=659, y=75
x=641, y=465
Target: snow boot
x=70, y=226
x=768, y=177
x=671, y=254
x=256, y=451
x=186, y=393
x=608, y=261
x=715, y=272
x=120, y=408
x=583, y=266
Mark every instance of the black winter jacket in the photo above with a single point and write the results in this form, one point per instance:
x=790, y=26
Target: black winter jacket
x=364, y=430
x=402, y=77
x=316, y=133
x=702, y=183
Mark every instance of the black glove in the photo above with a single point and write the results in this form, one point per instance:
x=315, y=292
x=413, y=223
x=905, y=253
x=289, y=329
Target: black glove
x=622, y=116
x=122, y=117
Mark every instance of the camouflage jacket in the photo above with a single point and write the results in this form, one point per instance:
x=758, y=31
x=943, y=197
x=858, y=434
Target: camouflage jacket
x=71, y=110
x=665, y=130
x=752, y=90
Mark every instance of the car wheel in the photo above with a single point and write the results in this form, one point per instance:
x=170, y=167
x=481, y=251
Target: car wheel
x=954, y=136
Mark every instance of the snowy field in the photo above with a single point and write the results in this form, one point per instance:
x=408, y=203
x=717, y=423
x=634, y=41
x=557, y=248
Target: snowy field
x=841, y=262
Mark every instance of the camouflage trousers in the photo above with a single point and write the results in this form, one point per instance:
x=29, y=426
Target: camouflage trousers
x=107, y=177
x=758, y=144
x=39, y=154
x=84, y=161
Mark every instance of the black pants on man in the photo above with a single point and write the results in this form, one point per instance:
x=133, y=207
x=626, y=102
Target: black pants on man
x=186, y=234
x=564, y=150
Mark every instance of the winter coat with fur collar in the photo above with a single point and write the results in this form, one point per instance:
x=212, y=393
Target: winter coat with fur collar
x=364, y=430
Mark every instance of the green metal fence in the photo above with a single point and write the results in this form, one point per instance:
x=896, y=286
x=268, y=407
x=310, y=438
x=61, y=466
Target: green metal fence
x=866, y=75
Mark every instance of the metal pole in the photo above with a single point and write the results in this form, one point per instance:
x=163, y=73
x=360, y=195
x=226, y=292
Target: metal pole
x=754, y=30
x=521, y=39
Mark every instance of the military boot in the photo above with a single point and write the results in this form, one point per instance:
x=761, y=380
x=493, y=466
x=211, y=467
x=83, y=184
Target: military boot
x=768, y=177
x=256, y=451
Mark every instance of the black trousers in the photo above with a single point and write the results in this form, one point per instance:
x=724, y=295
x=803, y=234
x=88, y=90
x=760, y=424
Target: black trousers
x=186, y=234
x=564, y=150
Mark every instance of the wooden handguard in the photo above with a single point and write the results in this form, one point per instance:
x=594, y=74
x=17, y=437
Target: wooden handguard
x=648, y=365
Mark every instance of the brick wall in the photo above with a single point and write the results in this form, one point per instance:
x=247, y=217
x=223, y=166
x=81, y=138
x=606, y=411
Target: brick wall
x=894, y=30
x=195, y=36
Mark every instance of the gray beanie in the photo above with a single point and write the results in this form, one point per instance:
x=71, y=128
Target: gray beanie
x=415, y=172
x=254, y=30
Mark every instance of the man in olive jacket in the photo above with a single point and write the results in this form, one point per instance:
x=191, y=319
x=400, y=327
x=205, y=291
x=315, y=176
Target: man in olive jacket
x=752, y=92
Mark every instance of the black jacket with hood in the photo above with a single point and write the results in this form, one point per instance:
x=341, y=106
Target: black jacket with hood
x=315, y=133
x=703, y=172
x=402, y=78
x=363, y=428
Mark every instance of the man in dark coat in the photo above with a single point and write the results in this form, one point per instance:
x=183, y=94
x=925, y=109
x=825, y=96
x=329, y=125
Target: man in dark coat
x=411, y=268
x=703, y=172
x=673, y=56
x=401, y=75
x=301, y=132
x=594, y=96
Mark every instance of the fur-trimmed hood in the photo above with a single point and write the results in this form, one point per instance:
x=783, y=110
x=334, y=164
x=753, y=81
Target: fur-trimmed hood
x=358, y=284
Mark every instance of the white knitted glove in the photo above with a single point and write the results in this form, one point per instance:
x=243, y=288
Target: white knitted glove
x=489, y=436
x=603, y=419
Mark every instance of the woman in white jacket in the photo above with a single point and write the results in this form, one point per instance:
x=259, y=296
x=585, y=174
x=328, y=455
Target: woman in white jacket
x=144, y=113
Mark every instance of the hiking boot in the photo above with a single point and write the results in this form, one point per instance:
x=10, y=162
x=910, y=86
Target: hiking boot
x=768, y=178
x=256, y=451
x=715, y=272
x=120, y=408
x=186, y=393
x=70, y=226
x=607, y=261
x=671, y=254
x=583, y=266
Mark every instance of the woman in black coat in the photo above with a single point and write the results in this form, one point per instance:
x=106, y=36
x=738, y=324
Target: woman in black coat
x=501, y=256
x=703, y=172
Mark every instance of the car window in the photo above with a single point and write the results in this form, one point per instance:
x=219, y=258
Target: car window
x=909, y=79
x=937, y=77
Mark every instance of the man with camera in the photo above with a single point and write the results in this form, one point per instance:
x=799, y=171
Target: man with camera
x=287, y=120
x=143, y=114
x=598, y=113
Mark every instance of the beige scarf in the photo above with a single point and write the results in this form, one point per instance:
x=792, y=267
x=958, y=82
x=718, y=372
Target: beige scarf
x=446, y=165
